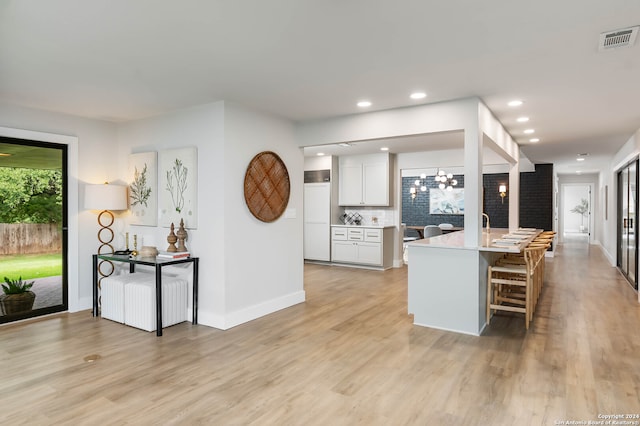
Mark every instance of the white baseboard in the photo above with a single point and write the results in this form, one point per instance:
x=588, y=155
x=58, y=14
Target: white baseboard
x=610, y=258
x=250, y=313
x=469, y=333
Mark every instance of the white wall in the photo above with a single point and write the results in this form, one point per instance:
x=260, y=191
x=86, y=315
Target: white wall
x=92, y=162
x=264, y=261
x=247, y=268
x=318, y=163
x=201, y=127
x=438, y=117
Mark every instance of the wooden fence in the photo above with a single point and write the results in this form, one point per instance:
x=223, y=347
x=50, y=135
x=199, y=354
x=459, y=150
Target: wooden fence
x=30, y=238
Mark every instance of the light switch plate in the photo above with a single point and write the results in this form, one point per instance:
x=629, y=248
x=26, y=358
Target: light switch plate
x=290, y=214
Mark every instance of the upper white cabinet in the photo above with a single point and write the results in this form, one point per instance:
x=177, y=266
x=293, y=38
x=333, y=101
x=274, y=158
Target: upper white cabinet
x=363, y=180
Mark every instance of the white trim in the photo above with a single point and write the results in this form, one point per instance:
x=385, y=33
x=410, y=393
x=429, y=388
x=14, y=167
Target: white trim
x=605, y=252
x=592, y=212
x=75, y=303
x=250, y=313
x=468, y=333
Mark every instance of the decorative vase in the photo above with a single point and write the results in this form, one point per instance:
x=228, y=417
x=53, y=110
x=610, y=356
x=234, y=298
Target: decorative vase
x=17, y=303
x=148, y=251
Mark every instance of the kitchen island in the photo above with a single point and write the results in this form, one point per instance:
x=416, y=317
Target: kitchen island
x=448, y=281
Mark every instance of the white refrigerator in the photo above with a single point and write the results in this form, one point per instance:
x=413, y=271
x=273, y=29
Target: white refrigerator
x=317, y=221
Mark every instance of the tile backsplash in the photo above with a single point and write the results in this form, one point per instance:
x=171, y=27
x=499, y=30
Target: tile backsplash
x=374, y=216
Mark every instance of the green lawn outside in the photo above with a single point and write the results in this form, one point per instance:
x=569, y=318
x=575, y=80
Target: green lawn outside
x=30, y=266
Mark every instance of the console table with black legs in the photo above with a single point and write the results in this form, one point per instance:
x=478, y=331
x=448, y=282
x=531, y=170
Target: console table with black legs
x=157, y=264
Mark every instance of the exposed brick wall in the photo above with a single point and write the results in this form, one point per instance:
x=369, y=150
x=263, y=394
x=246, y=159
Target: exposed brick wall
x=536, y=198
x=416, y=212
x=493, y=206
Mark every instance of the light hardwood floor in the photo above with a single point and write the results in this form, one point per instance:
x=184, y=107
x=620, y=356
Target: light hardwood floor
x=349, y=355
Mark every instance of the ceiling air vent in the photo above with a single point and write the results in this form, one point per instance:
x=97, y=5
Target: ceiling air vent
x=618, y=38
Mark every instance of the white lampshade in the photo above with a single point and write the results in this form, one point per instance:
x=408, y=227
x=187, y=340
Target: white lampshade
x=502, y=188
x=105, y=197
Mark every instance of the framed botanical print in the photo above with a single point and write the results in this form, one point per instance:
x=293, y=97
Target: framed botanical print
x=178, y=187
x=143, y=188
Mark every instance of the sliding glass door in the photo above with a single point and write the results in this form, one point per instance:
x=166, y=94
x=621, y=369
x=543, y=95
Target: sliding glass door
x=627, y=222
x=33, y=228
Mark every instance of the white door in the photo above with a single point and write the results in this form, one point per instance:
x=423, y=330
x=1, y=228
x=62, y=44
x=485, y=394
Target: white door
x=317, y=226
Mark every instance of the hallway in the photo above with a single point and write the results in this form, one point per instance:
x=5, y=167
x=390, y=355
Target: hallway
x=349, y=355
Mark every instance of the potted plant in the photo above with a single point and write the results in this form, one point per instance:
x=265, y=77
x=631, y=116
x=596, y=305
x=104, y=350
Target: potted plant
x=582, y=209
x=17, y=296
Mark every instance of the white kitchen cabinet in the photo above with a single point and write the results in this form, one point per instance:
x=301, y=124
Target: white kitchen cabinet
x=363, y=180
x=350, y=185
x=359, y=245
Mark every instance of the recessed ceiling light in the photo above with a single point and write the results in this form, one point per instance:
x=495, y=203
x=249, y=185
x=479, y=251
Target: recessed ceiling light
x=522, y=119
x=418, y=95
x=580, y=159
x=578, y=172
x=515, y=103
x=384, y=148
x=345, y=144
x=529, y=131
x=320, y=154
x=534, y=140
x=364, y=104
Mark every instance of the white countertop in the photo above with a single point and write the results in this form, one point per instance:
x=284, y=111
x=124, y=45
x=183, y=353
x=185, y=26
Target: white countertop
x=455, y=240
x=364, y=226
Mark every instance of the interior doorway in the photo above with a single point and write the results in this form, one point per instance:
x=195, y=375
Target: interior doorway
x=34, y=228
x=577, y=223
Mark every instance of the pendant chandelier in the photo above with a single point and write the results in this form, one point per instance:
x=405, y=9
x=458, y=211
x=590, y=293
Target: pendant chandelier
x=445, y=180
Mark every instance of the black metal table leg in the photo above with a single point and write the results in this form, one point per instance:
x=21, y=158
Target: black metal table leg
x=158, y=300
x=194, y=319
x=95, y=285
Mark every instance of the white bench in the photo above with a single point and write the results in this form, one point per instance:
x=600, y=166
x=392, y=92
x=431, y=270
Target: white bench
x=131, y=299
x=140, y=303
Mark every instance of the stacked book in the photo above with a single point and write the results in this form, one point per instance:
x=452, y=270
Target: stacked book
x=173, y=255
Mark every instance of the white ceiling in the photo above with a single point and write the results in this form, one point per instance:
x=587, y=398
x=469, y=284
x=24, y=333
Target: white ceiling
x=120, y=60
x=415, y=143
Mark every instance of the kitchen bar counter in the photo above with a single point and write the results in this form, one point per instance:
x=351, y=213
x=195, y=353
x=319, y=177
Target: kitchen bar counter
x=456, y=240
x=448, y=281
x=420, y=229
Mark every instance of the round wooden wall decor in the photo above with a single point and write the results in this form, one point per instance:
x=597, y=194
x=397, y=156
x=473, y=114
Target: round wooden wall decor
x=267, y=186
